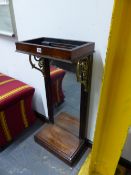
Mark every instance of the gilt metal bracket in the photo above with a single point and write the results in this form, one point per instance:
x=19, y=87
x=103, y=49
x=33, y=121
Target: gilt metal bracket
x=41, y=64
x=83, y=72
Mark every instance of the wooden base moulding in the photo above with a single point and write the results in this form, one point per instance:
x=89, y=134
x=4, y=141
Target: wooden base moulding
x=62, y=138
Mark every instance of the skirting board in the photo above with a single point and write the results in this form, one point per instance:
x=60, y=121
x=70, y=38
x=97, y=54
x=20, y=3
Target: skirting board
x=41, y=117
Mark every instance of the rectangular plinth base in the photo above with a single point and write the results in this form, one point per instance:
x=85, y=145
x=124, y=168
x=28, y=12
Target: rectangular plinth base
x=61, y=141
x=68, y=122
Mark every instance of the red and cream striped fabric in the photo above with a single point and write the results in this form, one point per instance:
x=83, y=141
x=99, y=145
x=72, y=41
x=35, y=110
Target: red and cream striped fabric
x=15, y=108
x=57, y=76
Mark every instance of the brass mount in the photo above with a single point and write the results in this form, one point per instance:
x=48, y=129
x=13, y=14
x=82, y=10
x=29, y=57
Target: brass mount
x=41, y=64
x=83, y=72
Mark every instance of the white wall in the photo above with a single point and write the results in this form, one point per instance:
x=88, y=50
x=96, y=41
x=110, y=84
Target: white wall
x=70, y=19
x=17, y=66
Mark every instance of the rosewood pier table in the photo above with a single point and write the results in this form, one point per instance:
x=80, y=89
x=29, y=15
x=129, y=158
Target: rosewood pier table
x=63, y=136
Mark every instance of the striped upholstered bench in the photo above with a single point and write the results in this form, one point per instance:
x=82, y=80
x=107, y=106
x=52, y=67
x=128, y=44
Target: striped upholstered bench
x=57, y=76
x=15, y=108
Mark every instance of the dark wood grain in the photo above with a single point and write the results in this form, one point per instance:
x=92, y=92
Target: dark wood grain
x=46, y=52
x=68, y=122
x=59, y=141
x=81, y=48
x=57, y=138
x=47, y=80
x=85, y=104
x=62, y=138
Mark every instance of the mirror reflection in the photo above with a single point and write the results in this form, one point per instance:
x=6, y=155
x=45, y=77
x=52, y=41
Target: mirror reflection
x=65, y=89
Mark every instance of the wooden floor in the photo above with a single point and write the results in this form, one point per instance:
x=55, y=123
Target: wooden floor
x=62, y=138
